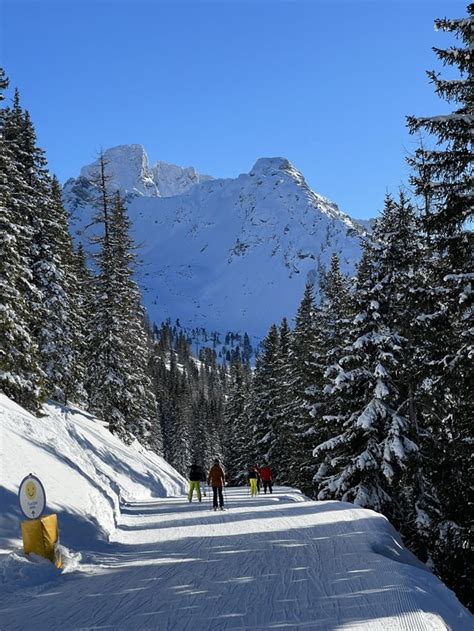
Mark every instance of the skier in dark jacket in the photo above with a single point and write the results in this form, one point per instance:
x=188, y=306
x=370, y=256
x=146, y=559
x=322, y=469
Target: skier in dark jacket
x=196, y=476
x=253, y=481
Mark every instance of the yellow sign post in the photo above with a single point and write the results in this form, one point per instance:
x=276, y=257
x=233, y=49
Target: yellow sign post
x=40, y=536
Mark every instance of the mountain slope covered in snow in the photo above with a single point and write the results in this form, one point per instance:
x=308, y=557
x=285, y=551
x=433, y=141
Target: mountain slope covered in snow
x=224, y=254
x=141, y=557
x=87, y=472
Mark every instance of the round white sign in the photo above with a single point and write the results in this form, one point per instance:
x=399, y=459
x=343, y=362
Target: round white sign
x=32, y=497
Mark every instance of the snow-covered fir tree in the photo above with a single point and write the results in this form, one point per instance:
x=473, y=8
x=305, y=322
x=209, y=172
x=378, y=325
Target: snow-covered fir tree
x=54, y=278
x=265, y=392
x=443, y=178
x=299, y=378
x=281, y=445
x=80, y=294
x=319, y=337
x=39, y=340
x=140, y=410
x=20, y=373
x=375, y=442
x=237, y=434
x=107, y=360
x=118, y=383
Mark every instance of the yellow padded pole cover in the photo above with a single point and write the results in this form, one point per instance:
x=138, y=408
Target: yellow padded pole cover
x=41, y=536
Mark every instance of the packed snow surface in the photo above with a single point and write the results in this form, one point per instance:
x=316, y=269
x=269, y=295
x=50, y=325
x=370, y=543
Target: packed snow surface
x=271, y=562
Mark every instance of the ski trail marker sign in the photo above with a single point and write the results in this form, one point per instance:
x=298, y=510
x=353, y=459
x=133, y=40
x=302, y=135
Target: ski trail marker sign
x=32, y=497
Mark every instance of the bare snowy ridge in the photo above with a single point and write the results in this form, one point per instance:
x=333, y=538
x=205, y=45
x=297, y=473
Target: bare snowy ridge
x=223, y=254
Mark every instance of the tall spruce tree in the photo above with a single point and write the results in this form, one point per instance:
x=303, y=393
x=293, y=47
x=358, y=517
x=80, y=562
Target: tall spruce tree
x=20, y=373
x=375, y=442
x=302, y=377
x=331, y=335
x=238, y=431
x=107, y=357
x=282, y=444
x=54, y=278
x=443, y=177
x=81, y=290
x=265, y=391
x=119, y=385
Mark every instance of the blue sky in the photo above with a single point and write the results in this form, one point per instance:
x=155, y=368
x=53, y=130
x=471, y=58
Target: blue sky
x=217, y=84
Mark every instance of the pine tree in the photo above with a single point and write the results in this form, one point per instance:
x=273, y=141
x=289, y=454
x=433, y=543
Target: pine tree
x=81, y=289
x=283, y=446
x=443, y=177
x=107, y=356
x=53, y=277
x=304, y=392
x=264, y=393
x=323, y=335
x=119, y=385
x=238, y=429
x=141, y=404
x=373, y=441
x=247, y=350
x=20, y=374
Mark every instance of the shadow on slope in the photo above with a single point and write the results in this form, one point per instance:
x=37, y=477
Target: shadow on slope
x=318, y=576
x=75, y=531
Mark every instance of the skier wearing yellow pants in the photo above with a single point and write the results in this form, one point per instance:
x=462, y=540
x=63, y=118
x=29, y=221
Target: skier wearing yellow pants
x=253, y=476
x=195, y=477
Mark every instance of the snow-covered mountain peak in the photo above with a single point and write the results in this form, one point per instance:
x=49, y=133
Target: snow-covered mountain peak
x=278, y=177
x=129, y=169
x=226, y=254
x=175, y=180
x=270, y=166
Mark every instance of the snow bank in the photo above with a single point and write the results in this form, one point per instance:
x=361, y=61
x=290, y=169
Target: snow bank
x=86, y=471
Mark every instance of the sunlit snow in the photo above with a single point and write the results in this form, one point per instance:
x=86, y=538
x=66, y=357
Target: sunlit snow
x=139, y=556
x=223, y=254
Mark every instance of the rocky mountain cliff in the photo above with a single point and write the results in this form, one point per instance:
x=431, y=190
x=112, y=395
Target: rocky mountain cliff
x=224, y=254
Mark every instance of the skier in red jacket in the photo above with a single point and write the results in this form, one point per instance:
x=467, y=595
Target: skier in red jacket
x=267, y=478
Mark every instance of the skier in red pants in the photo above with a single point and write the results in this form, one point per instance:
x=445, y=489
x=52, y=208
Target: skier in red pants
x=267, y=478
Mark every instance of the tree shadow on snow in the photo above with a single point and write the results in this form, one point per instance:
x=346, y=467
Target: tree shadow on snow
x=300, y=578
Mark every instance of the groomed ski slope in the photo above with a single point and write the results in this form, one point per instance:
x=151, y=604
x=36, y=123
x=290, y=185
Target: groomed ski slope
x=271, y=562
x=274, y=562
